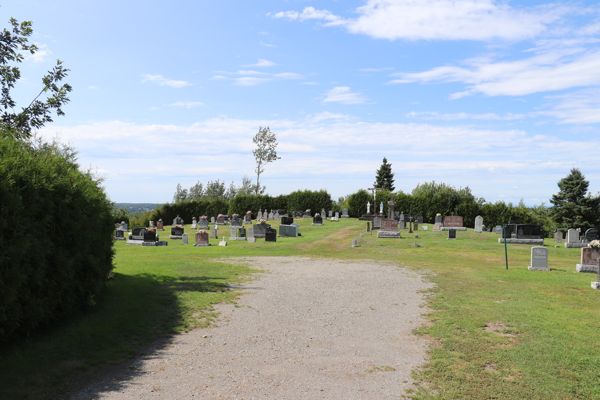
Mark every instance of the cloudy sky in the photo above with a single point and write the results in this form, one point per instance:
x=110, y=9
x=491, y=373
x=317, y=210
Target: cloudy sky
x=500, y=96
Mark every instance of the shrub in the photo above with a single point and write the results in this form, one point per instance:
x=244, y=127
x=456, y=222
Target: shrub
x=56, y=245
x=357, y=203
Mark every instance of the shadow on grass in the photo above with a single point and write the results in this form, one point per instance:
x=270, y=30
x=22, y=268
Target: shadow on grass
x=96, y=352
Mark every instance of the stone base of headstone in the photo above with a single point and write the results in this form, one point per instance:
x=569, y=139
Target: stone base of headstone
x=575, y=245
x=388, y=235
x=160, y=229
x=175, y=236
x=202, y=245
x=437, y=227
x=120, y=238
x=586, y=268
x=139, y=242
x=162, y=243
x=345, y=216
x=151, y=244
x=451, y=239
x=238, y=238
x=248, y=223
x=447, y=228
x=538, y=268
x=317, y=224
x=251, y=240
x=538, y=242
x=596, y=285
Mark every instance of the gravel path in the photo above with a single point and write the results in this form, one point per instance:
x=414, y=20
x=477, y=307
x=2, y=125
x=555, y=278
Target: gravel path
x=309, y=329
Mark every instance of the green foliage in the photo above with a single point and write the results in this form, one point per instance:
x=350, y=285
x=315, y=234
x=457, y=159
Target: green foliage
x=37, y=113
x=385, y=178
x=56, y=227
x=119, y=215
x=187, y=210
x=264, y=153
x=357, y=203
x=302, y=200
x=574, y=207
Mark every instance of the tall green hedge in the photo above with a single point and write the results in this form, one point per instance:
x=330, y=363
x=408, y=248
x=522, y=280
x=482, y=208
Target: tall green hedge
x=302, y=200
x=56, y=243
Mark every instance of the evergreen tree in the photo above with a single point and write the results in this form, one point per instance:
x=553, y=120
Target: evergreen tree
x=385, y=178
x=574, y=207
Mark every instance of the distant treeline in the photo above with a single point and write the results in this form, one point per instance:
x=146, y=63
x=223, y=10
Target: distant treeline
x=137, y=207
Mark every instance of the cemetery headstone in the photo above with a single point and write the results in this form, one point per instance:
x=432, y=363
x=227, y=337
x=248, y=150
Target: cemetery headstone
x=152, y=224
x=119, y=234
x=499, y=229
x=438, y=219
x=539, y=259
x=345, y=213
x=330, y=213
x=276, y=216
x=292, y=230
x=337, y=214
x=236, y=221
x=248, y=218
x=317, y=220
x=220, y=219
x=416, y=225
x=389, y=229
x=201, y=239
x=150, y=236
x=401, y=225
x=377, y=223
x=479, y=224
x=184, y=238
x=453, y=221
x=124, y=226
x=260, y=230
x=558, y=236
x=176, y=232
x=271, y=216
x=223, y=242
x=160, y=225
x=451, y=234
x=251, y=239
x=213, y=232
x=250, y=233
x=270, y=235
x=323, y=214
x=391, y=206
x=202, y=224
x=178, y=221
x=138, y=233
x=591, y=234
x=354, y=243
x=307, y=214
x=194, y=223
x=212, y=220
x=287, y=220
x=588, y=261
x=419, y=218
x=368, y=226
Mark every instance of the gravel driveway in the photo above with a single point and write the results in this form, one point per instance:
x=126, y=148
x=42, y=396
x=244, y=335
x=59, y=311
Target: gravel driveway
x=308, y=329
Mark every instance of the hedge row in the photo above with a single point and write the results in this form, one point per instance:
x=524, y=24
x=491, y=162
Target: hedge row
x=56, y=246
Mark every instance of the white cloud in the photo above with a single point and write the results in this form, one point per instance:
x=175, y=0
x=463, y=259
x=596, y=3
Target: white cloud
x=343, y=95
x=262, y=63
x=433, y=115
x=288, y=75
x=249, y=81
x=554, y=70
x=40, y=55
x=439, y=19
x=162, y=81
x=580, y=107
x=187, y=104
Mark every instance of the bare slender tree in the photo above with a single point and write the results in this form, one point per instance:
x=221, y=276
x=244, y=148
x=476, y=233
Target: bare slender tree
x=266, y=143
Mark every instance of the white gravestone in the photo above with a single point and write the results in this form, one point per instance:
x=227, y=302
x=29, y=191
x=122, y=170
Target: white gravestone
x=539, y=259
x=479, y=224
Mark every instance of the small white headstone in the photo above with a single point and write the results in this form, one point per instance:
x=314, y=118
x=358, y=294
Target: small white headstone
x=539, y=259
x=479, y=224
x=184, y=238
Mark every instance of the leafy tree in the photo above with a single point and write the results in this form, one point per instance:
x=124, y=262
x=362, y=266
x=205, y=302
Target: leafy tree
x=249, y=188
x=19, y=125
x=266, y=143
x=574, y=207
x=180, y=194
x=196, y=192
x=215, y=190
x=385, y=178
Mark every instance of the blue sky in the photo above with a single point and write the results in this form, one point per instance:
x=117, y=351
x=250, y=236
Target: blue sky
x=500, y=96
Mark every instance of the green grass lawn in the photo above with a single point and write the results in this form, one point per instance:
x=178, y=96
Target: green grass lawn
x=495, y=333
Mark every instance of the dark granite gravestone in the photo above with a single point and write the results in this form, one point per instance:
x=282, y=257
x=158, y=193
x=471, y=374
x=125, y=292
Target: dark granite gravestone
x=260, y=230
x=592, y=234
x=119, y=234
x=138, y=233
x=236, y=221
x=270, y=235
x=529, y=231
x=201, y=239
x=287, y=220
x=150, y=236
x=177, y=231
x=419, y=218
x=368, y=226
x=438, y=219
x=451, y=233
x=408, y=218
x=202, y=224
x=317, y=220
x=160, y=225
x=376, y=223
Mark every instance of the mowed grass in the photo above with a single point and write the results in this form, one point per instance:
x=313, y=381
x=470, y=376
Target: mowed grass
x=495, y=333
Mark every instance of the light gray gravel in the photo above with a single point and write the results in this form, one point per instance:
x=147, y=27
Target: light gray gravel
x=309, y=329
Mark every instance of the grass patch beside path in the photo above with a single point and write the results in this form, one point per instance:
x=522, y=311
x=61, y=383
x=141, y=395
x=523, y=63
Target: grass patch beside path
x=506, y=334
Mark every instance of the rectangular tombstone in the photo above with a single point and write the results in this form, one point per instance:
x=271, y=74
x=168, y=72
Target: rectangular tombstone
x=451, y=234
x=287, y=220
x=194, y=223
x=499, y=229
x=236, y=221
x=389, y=225
x=453, y=221
x=529, y=231
x=401, y=225
x=177, y=230
x=377, y=223
x=270, y=235
x=184, y=238
x=479, y=224
x=317, y=220
x=150, y=236
x=416, y=226
x=201, y=239
x=330, y=213
x=213, y=232
x=438, y=219
x=233, y=233
x=573, y=236
x=250, y=232
x=345, y=213
x=119, y=234
x=220, y=220
x=419, y=218
x=288, y=231
x=124, y=227
x=539, y=259
x=558, y=236
x=247, y=219
x=212, y=220
x=588, y=261
x=138, y=233
x=402, y=217
x=251, y=239
x=368, y=226
x=276, y=216
x=202, y=224
x=160, y=225
x=591, y=234
x=425, y=228
x=436, y=227
x=260, y=230
x=152, y=224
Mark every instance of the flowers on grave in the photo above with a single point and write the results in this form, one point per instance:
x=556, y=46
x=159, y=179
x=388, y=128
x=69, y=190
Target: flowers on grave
x=151, y=229
x=594, y=244
x=204, y=217
x=248, y=212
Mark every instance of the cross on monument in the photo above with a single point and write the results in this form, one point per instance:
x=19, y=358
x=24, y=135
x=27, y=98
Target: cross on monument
x=375, y=189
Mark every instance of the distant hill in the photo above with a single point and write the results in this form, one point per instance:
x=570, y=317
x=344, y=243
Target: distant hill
x=137, y=207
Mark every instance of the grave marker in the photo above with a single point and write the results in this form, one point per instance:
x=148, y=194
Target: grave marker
x=479, y=224
x=539, y=259
x=201, y=239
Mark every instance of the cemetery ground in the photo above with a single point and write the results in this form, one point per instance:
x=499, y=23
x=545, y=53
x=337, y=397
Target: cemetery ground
x=492, y=333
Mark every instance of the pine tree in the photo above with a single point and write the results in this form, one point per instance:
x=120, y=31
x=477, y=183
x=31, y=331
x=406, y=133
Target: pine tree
x=573, y=206
x=385, y=178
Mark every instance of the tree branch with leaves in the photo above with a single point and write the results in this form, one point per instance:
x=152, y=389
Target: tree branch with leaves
x=265, y=152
